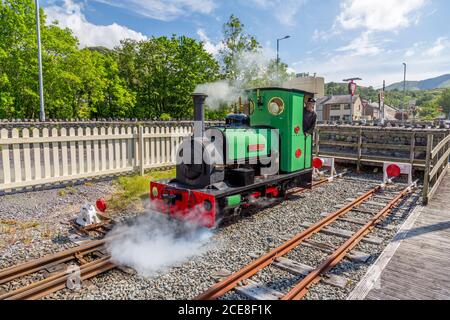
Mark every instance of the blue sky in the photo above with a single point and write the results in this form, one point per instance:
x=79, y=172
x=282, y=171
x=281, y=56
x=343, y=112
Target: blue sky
x=333, y=38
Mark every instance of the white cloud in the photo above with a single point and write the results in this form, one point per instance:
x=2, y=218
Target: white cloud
x=70, y=15
x=165, y=10
x=439, y=45
x=361, y=46
x=285, y=11
x=410, y=53
x=209, y=46
x=387, y=66
x=376, y=15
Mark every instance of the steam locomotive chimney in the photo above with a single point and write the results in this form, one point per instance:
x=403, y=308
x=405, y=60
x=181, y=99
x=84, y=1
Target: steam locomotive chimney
x=199, y=114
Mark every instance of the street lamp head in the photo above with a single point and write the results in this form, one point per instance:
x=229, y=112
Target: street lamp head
x=285, y=37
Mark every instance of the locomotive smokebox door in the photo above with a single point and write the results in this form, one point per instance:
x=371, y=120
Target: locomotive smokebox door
x=196, y=166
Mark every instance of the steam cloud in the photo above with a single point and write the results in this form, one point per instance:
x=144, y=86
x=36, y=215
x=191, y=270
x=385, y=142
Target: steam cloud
x=219, y=93
x=249, y=66
x=154, y=243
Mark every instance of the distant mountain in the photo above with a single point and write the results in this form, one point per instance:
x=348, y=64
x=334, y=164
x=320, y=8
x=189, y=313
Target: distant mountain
x=428, y=84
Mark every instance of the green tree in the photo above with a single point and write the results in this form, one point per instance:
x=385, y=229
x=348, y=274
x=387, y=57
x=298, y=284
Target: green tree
x=429, y=110
x=163, y=72
x=235, y=43
x=444, y=102
x=77, y=83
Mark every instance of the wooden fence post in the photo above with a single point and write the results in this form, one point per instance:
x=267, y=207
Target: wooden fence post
x=412, y=154
x=358, y=165
x=317, y=142
x=141, y=149
x=426, y=177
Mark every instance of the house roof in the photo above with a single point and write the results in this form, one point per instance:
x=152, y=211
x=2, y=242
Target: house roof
x=322, y=100
x=376, y=105
x=340, y=99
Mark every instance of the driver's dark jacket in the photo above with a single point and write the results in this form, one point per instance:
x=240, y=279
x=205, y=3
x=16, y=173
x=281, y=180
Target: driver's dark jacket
x=309, y=121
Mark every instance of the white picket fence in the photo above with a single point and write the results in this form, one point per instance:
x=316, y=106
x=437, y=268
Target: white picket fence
x=45, y=156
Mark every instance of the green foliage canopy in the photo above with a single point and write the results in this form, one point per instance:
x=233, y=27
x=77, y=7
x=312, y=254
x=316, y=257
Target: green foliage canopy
x=78, y=83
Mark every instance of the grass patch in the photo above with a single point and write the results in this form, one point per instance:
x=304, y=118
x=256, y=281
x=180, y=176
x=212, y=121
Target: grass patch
x=9, y=222
x=68, y=190
x=29, y=224
x=10, y=226
x=132, y=188
x=46, y=233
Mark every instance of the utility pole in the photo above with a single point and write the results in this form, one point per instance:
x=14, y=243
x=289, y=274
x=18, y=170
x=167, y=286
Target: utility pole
x=404, y=90
x=351, y=90
x=278, y=55
x=384, y=89
x=41, y=82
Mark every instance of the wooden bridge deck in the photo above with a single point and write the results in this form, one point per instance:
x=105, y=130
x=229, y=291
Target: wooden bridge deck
x=416, y=264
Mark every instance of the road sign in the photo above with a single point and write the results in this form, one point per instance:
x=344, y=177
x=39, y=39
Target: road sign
x=352, y=88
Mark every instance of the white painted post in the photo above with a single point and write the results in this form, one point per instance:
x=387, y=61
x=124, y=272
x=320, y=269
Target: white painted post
x=152, y=146
x=158, y=145
x=141, y=149
x=5, y=158
x=102, y=149
x=73, y=153
x=110, y=150
x=117, y=163
x=80, y=134
x=168, y=150
x=64, y=156
x=88, y=151
x=96, y=151
x=55, y=153
x=37, y=156
x=124, y=148
x=16, y=157
x=46, y=145
x=130, y=155
x=26, y=155
x=147, y=146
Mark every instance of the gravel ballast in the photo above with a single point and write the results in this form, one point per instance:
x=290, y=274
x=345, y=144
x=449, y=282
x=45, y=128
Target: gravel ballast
x=228, y=249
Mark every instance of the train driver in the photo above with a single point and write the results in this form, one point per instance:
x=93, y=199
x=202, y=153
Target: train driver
x=309, y=116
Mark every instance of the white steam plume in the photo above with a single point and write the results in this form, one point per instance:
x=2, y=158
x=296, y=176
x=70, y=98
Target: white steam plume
x=219, y=93
x=250, y=67
x=154, y=243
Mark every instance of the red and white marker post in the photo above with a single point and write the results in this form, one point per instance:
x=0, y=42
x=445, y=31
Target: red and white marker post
x=394, y=170
x=321, y=162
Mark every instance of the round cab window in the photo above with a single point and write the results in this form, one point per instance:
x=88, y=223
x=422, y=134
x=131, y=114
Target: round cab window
x=276, y=106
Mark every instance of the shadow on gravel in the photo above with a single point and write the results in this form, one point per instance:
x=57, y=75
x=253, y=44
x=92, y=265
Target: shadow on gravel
x=61, y=239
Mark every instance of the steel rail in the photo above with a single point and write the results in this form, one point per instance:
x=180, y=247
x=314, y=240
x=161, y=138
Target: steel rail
x=301, y=289
x=227, y=284
x=318, y=183
x=26, y=268
x=58, y=281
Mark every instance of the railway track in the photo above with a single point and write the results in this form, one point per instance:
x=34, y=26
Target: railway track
x=67, y=267
x=241, y=281
x=72, y=265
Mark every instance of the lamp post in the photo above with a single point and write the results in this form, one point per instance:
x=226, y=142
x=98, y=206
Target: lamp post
x=404, y=90
x=278, y=54
x=41, y=83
